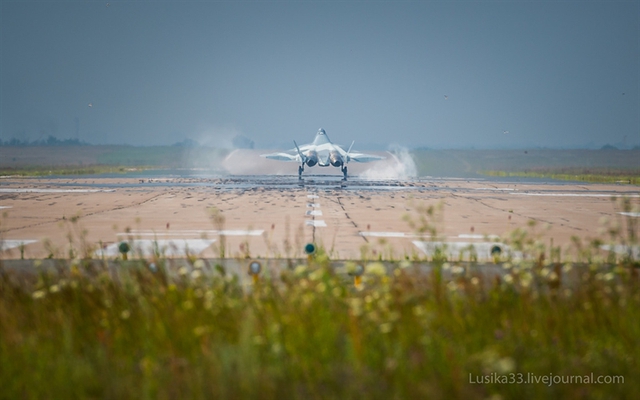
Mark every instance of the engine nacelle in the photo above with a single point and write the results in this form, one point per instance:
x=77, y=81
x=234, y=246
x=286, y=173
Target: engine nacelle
x=335, y=159
x=312, y=158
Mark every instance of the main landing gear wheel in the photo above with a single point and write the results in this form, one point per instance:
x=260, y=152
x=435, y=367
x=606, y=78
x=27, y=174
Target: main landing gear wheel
x=344, y=171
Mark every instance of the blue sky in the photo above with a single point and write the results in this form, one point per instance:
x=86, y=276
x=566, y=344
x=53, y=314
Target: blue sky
x=552, y=74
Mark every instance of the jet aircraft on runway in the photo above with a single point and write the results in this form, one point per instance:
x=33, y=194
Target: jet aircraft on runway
x=322, y=153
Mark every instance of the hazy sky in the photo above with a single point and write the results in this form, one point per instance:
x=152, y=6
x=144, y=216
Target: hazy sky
x=421, y=73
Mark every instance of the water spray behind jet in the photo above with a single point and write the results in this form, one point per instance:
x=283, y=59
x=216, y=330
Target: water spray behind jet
x=400, y=166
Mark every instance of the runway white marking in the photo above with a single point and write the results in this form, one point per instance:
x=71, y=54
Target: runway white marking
x=575, y=194
x=316, y=205
x=255, y=232
x=455, y=250
x=167, y=247
x=8, y=244
x=411, y=235
x=476, y=236
x=384, y=234
x=634, y=251
x=630, y=214
x=504, y=189
x=1, y=207
x=314, y=212
x=312, y=196
x=226, y=232
x=33, y=190
x=318, y=223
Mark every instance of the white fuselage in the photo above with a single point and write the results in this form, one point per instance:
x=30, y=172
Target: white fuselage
x=323, y=153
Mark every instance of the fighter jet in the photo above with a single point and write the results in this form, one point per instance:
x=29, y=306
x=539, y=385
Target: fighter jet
x=322, y=153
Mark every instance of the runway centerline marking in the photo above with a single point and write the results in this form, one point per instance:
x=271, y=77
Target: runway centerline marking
x=317, y=223
x=630, y=214
x=315, y=213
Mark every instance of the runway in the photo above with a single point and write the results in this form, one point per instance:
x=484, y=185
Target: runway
x=274, y=216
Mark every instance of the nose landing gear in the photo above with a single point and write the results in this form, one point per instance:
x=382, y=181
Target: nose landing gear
x=344, y=171
x=300, y=171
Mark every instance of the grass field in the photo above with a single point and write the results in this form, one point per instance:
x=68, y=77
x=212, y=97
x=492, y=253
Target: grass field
x=310, y=333
x=83, y=160
x=585, y=165
x=144, y=331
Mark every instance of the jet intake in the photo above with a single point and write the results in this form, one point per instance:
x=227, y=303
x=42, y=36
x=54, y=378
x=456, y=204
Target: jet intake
x=312, y=158
x=335, y=159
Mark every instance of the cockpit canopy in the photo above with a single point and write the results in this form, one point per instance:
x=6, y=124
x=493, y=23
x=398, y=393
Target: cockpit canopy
x=321, y=137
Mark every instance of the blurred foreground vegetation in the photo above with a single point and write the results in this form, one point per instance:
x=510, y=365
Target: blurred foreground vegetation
x=310, y=333
x=546, y=328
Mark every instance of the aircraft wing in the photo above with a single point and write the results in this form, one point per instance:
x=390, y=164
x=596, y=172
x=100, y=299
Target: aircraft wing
x=282, y=157
x=361, y=157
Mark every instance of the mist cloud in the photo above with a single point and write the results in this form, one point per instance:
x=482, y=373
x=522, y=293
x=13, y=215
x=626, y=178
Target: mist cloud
x=399, y=165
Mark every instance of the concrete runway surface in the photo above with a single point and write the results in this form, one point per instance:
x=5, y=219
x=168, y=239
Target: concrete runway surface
x=269, y=216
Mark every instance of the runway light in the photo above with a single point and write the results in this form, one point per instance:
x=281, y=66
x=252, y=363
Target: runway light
x=254, y=270
x=124, y=249
x=310, y=248
x=495, y=253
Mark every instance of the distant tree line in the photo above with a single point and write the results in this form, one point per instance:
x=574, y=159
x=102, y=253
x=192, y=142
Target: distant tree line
x=50, y=141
